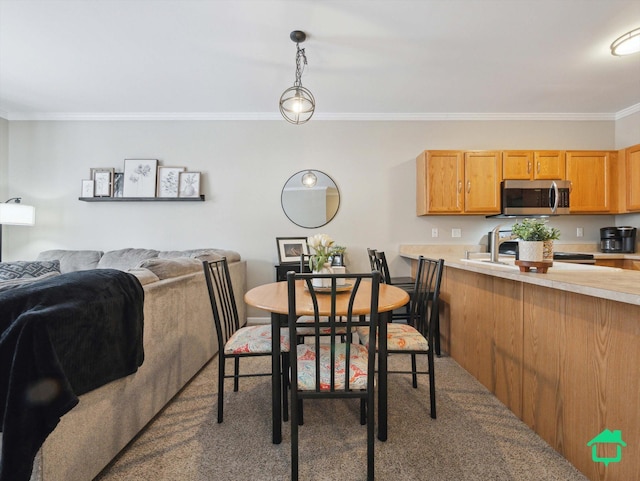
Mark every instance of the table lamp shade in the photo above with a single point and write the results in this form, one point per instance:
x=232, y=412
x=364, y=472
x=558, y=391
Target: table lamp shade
x=17, y=214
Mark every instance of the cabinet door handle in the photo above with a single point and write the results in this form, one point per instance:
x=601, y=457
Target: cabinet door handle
x=570, y=186
x=468, y=186
x=528, y=167
x=538, y=167
x=459, y=186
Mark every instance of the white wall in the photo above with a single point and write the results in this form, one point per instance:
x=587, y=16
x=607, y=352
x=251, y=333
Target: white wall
x=628, y=131
x=4, y=158
x=244, y=166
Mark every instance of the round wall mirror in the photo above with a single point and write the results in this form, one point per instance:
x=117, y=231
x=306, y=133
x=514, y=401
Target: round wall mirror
x=310, y=198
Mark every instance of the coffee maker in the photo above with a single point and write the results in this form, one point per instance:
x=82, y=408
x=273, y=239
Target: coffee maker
x=618, y=239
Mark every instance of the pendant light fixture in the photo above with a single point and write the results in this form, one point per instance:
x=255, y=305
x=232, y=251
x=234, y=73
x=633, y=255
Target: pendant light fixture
x=626, y=44
x=297, y=103
x=309, y=179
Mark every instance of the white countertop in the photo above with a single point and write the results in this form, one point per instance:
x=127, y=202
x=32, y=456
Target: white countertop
x=622, y=285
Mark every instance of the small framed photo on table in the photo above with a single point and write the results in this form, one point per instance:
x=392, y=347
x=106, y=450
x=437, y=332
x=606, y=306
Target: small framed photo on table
x=291, y=248
x=103, y=182
x=189, y=185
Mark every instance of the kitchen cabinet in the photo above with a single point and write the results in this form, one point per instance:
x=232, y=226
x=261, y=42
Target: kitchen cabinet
x=533, y=165
x=458, y=182
x=611, y=263
x=632, y=177
x=590, y=177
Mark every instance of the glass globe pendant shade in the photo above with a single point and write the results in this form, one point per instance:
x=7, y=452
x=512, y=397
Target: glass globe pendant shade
x=627, y=44
x=297, y=104
x=309, y=179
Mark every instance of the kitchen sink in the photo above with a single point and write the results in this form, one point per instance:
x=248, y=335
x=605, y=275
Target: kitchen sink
x=509, y=263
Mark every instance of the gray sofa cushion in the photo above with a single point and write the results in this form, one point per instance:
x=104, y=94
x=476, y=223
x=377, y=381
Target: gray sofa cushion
x=30, y=269
x=72, y=260
x=202, y=254
x=125, y=259
x=165, y=268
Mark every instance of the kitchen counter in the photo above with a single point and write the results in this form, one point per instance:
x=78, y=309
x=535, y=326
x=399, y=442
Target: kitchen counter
x=561, y=349
x=611, y=283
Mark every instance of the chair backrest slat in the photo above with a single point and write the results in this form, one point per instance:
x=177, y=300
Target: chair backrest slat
x=425, y=297
x=335, y=322
x=223, y=304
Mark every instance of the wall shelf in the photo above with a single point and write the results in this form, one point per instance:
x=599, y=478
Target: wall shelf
x=142, y=199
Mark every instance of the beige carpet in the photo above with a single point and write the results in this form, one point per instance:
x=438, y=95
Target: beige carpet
x=474, y=438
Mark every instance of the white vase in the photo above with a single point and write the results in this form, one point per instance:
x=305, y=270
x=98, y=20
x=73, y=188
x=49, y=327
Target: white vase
x=326, y=269
x=532, y=251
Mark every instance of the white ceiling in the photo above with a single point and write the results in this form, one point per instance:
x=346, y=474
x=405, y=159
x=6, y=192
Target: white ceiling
x=368, y=59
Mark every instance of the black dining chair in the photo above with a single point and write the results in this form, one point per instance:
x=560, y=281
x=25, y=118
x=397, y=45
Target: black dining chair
x=417, y=336
x=235, y=342
x=407, y=284
x=326, y=367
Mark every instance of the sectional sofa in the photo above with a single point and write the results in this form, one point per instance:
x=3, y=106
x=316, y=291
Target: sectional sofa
x=179, y=339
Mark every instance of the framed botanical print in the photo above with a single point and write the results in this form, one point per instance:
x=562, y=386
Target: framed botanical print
x=140, y=177
x=189, y=184
x=87, y=188
x=291, y=248
x=103, y=182
x=169, y=181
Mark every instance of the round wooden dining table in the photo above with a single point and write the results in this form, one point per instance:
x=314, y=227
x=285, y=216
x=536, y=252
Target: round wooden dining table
x=274, y=298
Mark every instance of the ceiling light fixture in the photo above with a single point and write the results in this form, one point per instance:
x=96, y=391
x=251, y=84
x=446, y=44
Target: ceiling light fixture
x=297, y=103
x=626, y=44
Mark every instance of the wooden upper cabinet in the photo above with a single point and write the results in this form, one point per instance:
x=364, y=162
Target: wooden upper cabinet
x=439, y=179
x=458, y=182
x=482, y=176
x=533, y=165
x=590, y=177
x=632, y=155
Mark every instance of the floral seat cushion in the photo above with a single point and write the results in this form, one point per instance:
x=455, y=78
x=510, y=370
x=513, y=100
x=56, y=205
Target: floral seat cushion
x=307, y=365
x=400, y=337
x=255, y=339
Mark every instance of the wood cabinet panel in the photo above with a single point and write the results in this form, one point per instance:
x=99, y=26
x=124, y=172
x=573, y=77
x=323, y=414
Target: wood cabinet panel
x=567, y=364
x=590, y=177
x=482, y=176
x=439, y=182
x=632, y=155
x=549, y=164
x=484, y=339
x=610, y=263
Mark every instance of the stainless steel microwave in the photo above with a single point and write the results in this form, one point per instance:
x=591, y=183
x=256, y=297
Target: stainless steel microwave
x=535, y=197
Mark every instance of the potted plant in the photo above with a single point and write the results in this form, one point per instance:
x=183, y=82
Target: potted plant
x=532, y=235
x=319, y=263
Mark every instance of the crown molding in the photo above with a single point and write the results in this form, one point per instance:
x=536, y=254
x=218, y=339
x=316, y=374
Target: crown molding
x=628, y=111
x=273, y=116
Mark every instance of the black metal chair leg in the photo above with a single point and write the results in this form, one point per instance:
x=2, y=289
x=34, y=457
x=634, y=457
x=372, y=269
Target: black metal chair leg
x=236, y=374
x=285, y=386
x=414, y=370
x=221, y=363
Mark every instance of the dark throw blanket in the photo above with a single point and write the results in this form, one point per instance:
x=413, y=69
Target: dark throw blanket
x=61, y=337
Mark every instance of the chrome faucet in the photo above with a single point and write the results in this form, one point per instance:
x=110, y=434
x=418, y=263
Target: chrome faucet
x=496, y=241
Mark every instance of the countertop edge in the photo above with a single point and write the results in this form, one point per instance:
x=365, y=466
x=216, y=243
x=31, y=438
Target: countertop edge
x=622, y=285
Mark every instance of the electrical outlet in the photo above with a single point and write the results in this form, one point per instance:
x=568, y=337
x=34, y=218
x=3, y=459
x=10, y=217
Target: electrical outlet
x=579, y=232
x=456, y=232
x=434, y=232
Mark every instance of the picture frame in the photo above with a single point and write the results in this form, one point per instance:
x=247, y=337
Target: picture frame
x=168, y=181
x=291, y=248
x=103, y=181
x=118, y=184
x=140, y=177
x=88, y=187
x=189, y=185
